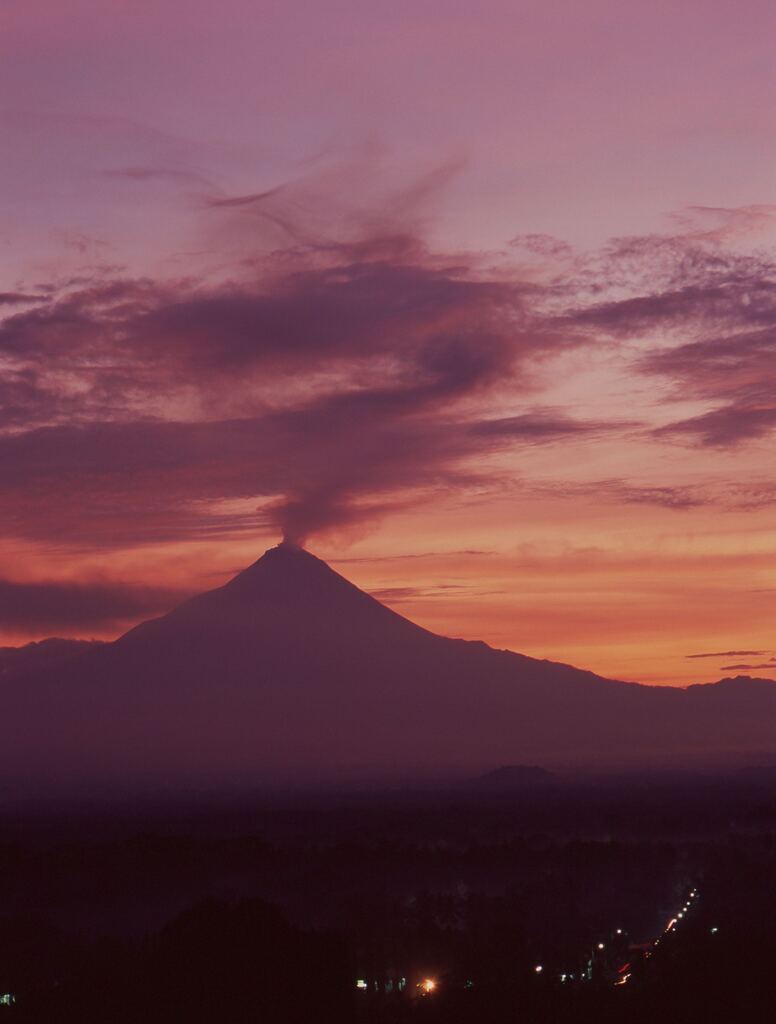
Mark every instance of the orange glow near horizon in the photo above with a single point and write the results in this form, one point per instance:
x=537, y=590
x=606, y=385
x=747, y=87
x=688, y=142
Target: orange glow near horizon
x=625, y=593
x=510, y=370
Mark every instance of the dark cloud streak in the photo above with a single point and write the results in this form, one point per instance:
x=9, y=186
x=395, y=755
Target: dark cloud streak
x=729, y=654
x=53, y=605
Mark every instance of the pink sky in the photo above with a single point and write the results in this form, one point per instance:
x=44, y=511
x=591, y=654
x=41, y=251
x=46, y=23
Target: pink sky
x=481, y=299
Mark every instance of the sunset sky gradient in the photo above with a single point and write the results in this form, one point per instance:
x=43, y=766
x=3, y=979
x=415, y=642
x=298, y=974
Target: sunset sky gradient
x=476, y=301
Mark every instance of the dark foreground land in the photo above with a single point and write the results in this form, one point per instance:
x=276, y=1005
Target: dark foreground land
x=432, y=905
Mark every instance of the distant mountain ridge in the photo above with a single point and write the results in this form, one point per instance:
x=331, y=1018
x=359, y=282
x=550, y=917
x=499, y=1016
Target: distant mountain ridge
x=290, y=672
x=50, y=653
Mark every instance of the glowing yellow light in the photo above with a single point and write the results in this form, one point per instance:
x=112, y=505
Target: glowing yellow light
x=428, y=985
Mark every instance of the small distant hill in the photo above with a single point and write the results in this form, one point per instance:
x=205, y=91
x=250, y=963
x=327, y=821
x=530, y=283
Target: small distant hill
x=514, y=776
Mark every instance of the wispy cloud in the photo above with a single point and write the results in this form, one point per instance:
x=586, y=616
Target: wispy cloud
x=748, y=668
x=728, y=654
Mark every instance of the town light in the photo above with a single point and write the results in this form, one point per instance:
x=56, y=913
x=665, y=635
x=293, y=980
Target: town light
x=428, y=985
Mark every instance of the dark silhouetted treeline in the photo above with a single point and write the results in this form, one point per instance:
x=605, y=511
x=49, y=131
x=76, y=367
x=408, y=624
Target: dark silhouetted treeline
x=338, y=907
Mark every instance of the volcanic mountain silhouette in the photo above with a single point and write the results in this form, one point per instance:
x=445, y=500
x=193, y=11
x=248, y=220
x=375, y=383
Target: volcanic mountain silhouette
x=291, y=672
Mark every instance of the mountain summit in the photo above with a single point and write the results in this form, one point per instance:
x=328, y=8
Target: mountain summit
x=289, y=671
x=287, y=592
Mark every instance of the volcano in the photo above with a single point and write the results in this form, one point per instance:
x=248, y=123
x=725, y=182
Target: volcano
x=290, y=672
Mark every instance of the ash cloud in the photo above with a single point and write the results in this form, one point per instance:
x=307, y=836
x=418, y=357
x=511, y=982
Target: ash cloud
x=324, y=382
x=328, y=384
